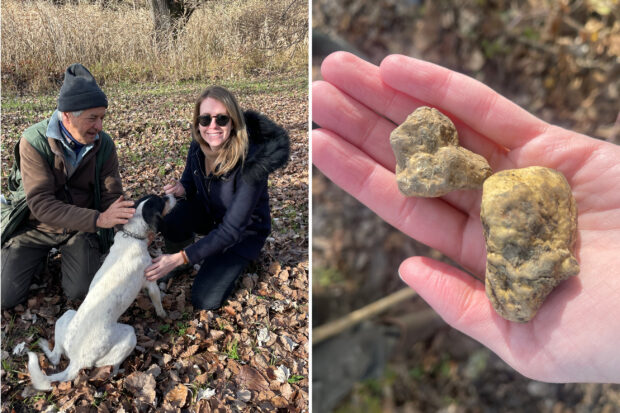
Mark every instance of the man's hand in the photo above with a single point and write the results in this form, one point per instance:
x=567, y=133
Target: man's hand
x=175, y=189
x=117, y=214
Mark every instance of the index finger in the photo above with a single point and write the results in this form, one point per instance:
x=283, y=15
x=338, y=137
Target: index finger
x=125, y=204
x=481, y=108
x=357, y=90
x=338, y=112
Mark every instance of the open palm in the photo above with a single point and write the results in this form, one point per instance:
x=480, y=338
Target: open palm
x=576, y=334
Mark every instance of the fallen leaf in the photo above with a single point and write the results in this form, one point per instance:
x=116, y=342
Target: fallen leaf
x=216, y=334
x=205, y=394
x=142, y=386
x=202, y=378
x=288, y=343
x=166, y=358
x=263, y=336
x=177, y=396
x=191, y=350
x=251, y=379
x=279, y=402
x=283, y=276
x=229, y=310
x=19, y=349
x=274, y=267
x=100, y=375
x=282, y=374
x=65, y=385
x=154, y=370
x=287, y=391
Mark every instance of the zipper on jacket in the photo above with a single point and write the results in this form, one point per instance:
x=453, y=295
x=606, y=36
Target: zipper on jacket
x=207, y=185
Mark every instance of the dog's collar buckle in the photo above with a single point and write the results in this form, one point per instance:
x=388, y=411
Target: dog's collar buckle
x=127, y=234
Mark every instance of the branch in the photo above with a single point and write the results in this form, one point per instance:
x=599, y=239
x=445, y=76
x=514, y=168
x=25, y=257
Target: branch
x=335, y=327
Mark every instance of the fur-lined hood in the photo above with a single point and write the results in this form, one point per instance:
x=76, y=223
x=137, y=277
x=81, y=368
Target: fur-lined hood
x=269, y=147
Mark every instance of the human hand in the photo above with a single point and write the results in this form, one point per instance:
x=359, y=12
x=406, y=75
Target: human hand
x=575, y=335
x=118, y=213
x=175, y=189
x=162, y=265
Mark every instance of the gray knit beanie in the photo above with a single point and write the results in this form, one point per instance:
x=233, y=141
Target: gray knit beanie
x=80, y=91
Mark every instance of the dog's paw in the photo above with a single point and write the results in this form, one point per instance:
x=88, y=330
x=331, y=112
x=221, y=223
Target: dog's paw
x=162, y=313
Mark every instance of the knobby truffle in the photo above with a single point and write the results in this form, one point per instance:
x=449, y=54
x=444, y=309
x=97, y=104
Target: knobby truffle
x=429, y=160
x=529, y=219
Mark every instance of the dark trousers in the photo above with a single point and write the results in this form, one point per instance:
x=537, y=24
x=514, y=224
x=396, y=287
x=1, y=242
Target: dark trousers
x=26, y=252
x=218, y=273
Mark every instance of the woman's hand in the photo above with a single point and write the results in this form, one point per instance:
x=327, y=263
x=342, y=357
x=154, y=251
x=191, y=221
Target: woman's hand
x=162, y=265
x=575, y=335
x=175, y=189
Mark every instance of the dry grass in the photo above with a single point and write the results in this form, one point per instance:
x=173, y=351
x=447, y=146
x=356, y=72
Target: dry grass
x=222, y=39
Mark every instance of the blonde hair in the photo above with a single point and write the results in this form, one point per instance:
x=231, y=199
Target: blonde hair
x=235, y=148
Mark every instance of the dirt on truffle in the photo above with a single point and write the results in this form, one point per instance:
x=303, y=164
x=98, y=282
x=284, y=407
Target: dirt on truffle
x=429, y=160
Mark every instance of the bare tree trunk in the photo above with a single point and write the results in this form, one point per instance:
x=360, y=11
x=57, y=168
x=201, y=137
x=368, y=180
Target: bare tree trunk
x=169, y=15
x=162, y=21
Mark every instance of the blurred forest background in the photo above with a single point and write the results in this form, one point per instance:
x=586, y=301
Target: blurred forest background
x=560, y=60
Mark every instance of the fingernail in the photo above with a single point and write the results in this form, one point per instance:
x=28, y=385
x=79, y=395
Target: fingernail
x=401, y=277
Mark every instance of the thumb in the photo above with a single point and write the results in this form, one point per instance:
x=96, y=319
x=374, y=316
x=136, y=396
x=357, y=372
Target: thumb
x=458, y=298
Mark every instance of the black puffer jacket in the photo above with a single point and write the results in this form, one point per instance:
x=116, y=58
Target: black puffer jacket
x=238, y=203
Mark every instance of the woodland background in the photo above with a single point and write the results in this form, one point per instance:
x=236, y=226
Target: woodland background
x=559, y=60
x=250, y=355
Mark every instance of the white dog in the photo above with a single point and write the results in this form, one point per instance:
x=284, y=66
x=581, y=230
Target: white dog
x=91, y=336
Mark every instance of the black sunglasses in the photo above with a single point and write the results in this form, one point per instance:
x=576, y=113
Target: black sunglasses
x=220, y=120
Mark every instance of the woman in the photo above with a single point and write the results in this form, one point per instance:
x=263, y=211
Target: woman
x=226, y=197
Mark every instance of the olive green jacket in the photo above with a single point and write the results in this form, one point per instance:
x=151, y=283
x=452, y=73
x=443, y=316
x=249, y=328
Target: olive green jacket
x=58, y=202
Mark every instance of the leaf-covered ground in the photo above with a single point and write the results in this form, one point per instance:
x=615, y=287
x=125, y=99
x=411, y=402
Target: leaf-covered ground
x=250, y=355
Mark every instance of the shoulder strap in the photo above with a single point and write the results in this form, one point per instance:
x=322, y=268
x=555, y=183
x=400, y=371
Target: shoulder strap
x=14, y=181
x=35, y=135
x=106, y=235
x=105, y=150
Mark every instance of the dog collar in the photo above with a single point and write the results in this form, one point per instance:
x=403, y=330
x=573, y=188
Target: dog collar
x=132, y=235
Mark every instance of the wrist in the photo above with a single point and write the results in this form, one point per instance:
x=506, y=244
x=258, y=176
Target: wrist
x=183, y=257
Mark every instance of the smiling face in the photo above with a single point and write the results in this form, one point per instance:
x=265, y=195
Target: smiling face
x=85, y=127
x=214, y=134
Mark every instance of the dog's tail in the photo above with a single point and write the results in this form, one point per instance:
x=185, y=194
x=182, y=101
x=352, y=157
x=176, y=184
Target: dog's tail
x=42, y=382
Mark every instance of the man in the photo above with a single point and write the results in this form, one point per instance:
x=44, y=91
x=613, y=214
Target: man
x=59, y=161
